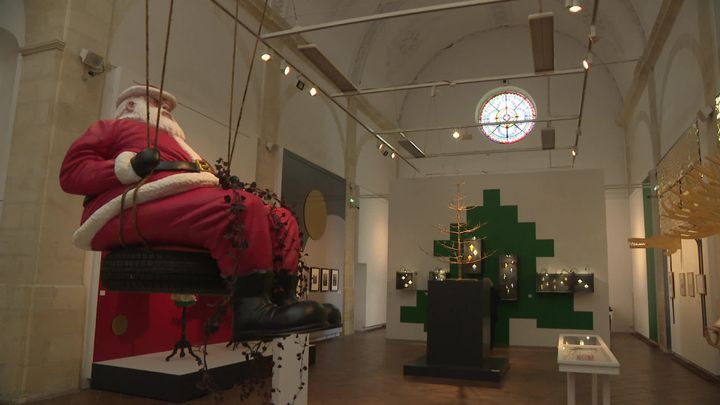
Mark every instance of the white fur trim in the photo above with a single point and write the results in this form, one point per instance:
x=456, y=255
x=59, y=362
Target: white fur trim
x=124, y=170
x=164, y=187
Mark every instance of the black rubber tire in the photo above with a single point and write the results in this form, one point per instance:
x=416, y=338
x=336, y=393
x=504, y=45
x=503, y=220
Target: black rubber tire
x=164, y=271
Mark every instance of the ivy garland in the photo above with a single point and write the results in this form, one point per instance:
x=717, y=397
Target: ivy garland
x=257, y=381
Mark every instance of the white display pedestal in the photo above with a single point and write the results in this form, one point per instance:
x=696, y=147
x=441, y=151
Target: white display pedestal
x=586, y=354
x=149, y=375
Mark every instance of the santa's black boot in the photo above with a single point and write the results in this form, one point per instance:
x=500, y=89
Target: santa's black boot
x=256, y=317
x=285, y=293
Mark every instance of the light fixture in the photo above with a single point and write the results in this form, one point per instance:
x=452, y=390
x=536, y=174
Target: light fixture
x=456, y=135
x=541, y=40
x=313, y=91
x=593, y=33
x=393, y=155
x=265, y=57
x=573, y=6
x=286, y=71
x=330, y=71
x=380, y=145
x=573, y=152
x=587, y=62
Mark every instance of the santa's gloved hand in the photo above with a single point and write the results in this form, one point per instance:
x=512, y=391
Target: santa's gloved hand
x=145, y=161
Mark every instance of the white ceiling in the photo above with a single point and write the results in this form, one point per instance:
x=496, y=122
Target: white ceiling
x=409, y=43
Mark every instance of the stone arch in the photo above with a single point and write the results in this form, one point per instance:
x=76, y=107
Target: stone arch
x=684, y=60
x=640, y=140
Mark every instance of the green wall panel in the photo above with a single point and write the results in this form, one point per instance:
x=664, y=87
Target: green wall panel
x=500, y=234
x=650, y=260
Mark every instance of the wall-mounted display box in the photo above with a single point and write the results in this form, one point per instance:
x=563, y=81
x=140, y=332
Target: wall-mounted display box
x=405, y=280
x=565, y=282
x=508, y=277
x=583, y=282
x=553, y=282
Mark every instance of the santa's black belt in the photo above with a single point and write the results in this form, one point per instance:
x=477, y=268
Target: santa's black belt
x=195, y=166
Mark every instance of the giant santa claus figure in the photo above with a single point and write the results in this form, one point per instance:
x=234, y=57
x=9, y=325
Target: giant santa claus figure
x=179, y=203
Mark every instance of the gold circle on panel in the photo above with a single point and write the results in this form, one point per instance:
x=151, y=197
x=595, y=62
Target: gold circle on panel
x=315, y=214
x=120, y=325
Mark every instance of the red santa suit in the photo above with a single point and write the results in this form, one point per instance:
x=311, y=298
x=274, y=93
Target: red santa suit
x=176, y=208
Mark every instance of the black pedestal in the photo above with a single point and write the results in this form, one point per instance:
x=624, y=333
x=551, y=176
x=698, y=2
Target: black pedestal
x=490, y=369
x=458, y=333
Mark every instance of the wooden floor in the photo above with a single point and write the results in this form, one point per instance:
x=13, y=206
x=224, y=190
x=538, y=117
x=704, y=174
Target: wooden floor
x=367, y=369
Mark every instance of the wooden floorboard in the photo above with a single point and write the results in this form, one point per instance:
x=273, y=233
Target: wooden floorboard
x=366, y=368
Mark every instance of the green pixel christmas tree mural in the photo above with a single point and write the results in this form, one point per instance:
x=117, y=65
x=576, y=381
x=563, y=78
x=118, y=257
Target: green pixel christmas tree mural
x=501, y=233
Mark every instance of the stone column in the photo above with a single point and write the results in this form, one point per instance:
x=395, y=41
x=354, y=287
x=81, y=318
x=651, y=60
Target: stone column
x=352, y=196
x=42, y=292
x=268, y=166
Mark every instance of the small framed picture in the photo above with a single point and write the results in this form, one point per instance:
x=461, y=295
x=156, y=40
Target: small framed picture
x=335, y=280
x=671, y=284
x=681, y=281
x=700, y=281
x=314, y=279
x=690, y=284
x=325, y=280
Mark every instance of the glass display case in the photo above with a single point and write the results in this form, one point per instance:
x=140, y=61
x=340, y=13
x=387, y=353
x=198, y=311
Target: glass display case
x=565, y=282
x=586, y=354
x=586, y=351
x=508, y=278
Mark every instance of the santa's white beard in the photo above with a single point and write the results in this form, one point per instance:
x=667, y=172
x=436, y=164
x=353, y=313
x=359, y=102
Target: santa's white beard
x=139, y=113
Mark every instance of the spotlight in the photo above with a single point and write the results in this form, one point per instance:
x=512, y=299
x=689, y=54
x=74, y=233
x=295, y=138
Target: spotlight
x=313, y=91
x=380, y=145
x=593, y=33
x=573, y=6
x=286, y=71
x=456, y=135
x=573, y=152
x=265, y=57
x=393, y=155
x=587, y=62
x=300, y=84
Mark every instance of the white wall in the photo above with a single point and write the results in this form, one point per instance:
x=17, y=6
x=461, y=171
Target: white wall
x=684, y=80
x=619, y=259
x=373, y=250
x=687, y=338
x=566, y=206
x=601, y=146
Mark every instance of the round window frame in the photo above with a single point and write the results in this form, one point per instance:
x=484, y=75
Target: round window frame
x=495, y=92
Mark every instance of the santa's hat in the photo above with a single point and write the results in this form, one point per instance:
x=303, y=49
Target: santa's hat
x=141, y=91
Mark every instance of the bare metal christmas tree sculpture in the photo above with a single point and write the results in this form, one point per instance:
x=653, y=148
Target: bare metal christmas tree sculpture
x=463, y=247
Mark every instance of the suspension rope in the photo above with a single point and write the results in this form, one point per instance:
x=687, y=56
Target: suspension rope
x=147, y=67
x=162, y=75
x=136, y=189
x=247, y=83
x=232, y=81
